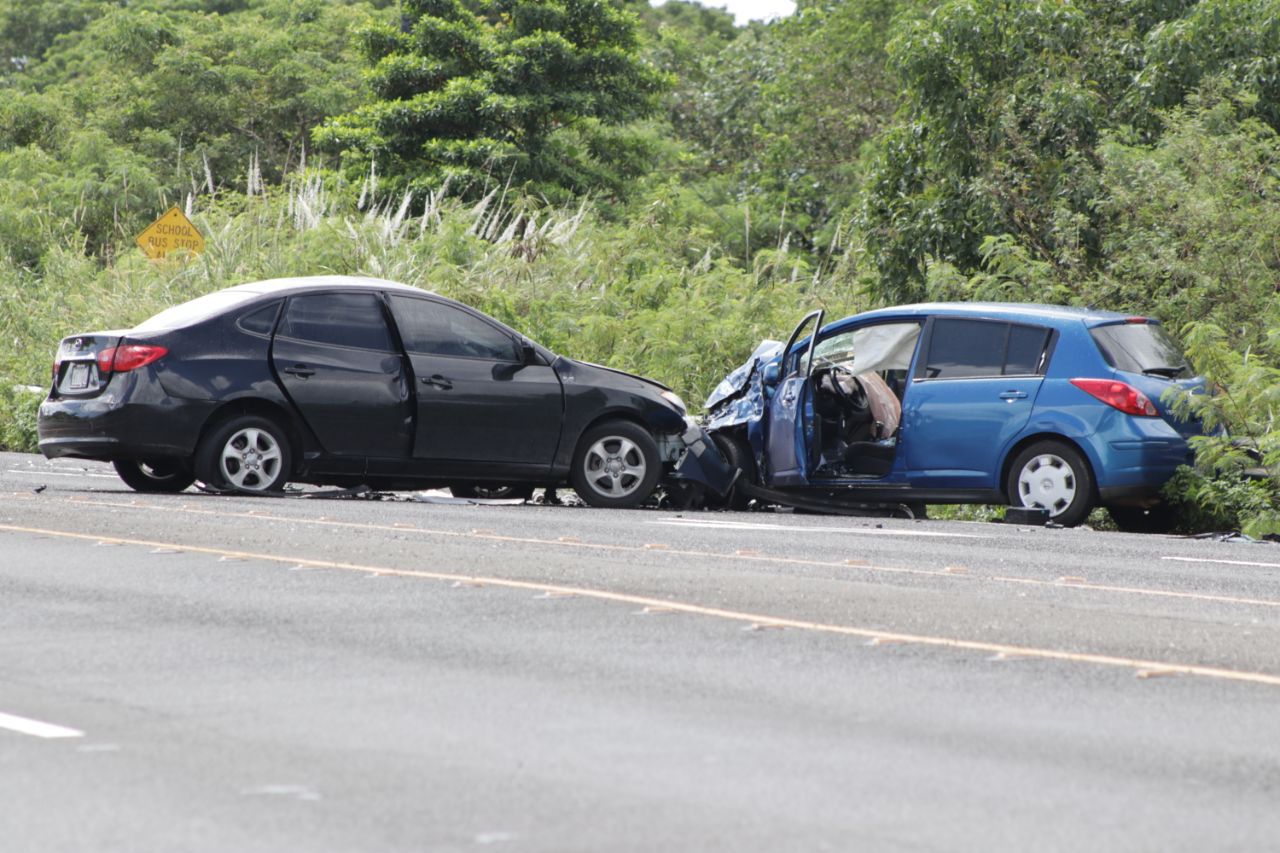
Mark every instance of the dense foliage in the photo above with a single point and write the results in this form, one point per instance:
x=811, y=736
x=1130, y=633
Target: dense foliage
x=477, y=92
x=657, y=187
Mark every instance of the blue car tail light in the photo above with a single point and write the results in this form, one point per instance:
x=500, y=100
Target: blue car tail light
x=1119, y=395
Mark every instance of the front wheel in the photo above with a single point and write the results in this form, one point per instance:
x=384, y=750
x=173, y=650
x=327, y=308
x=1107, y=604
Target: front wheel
x=167, y=475
x=616, y=465
x=1052, y=475
x=246, y=454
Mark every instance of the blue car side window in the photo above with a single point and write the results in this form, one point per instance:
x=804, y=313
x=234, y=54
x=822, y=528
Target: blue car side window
x=966, y=349
x=970, y=349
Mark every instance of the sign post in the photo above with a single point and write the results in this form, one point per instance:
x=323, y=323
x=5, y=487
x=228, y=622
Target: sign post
x=173, y=230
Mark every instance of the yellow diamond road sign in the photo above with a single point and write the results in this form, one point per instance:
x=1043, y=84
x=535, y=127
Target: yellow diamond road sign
x=170, y=232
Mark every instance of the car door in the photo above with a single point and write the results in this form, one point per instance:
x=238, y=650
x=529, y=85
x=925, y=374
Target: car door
x=478, y=398
x=335, y=358
x=788, y=431
x=972, y=392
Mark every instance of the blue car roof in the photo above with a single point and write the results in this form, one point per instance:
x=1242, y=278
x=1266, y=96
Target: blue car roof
x=1025, y=312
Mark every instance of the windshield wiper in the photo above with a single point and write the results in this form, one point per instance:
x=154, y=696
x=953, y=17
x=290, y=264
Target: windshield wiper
x=1166, y=372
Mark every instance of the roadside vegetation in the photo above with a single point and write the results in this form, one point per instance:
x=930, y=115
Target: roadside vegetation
x=657, y=188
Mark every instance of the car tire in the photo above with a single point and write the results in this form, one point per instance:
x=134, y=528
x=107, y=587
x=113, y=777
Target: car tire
x=248, y=454
x=1136, y=519
x=473, y=490
x=616, y=465
x=162, y=475
x=1052, y=475
x=738, y=454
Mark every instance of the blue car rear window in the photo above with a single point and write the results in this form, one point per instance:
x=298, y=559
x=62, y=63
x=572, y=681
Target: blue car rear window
x=1140, y=348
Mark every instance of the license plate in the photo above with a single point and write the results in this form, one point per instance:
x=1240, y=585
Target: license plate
x=79, y=378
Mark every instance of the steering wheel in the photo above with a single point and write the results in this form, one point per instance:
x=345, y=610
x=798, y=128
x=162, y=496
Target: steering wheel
x=855, y=397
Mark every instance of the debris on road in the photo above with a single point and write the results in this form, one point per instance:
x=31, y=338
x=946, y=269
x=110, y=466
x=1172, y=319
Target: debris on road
x=1037, y=516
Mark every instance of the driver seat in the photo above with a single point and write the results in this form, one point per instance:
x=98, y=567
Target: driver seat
x=874, y=458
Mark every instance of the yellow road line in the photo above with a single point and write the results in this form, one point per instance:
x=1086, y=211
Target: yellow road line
x=573, y=542
x=878, y=636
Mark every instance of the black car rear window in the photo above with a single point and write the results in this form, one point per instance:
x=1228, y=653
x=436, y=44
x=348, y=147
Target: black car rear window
x=196, y=311
x=1140, y=348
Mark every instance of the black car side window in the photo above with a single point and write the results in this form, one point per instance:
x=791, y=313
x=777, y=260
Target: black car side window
x=434, y=328
x=338, y=319
x=262, y=321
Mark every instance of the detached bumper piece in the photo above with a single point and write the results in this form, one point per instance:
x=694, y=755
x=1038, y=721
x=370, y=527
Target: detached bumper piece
x=1034, y=516
x=703, y=464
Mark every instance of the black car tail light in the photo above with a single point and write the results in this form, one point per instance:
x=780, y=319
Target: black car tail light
x=1119, y=395
x=129, y=357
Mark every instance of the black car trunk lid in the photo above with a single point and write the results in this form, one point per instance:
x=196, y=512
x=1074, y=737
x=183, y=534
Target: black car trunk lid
x=82, y=366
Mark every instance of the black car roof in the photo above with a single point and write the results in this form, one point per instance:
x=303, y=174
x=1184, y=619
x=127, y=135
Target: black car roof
x=285, y=286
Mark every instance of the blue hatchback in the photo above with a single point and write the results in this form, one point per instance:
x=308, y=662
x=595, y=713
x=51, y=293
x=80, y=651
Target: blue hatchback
x=1039, y=406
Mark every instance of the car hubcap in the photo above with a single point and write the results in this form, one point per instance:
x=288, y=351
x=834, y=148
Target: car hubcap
x=614, y=466
x=251, y=460
x=1047, y=482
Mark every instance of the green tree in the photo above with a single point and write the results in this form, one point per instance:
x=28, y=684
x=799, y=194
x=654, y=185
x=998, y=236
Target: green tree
x=1003, y=107
x=480, y=92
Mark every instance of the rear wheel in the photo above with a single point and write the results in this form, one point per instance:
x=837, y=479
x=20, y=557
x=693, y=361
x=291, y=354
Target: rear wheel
x=247, y=454
x=1052, y=475
x=616, y=465
x=738, y=454
x=472, y=490
x=164, y=475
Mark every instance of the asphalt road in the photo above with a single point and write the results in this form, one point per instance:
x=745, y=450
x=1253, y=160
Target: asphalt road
x=205, y=673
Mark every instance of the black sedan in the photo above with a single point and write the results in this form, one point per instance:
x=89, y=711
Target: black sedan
x=338, y=380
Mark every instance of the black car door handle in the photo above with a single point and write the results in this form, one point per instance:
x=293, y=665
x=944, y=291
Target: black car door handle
x=438, y=381
x=300, y=370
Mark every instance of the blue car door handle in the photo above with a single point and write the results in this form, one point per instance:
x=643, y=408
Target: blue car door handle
x=1010, y=396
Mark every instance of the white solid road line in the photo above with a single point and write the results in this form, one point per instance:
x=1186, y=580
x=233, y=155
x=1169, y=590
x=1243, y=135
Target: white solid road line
x=1222, y=562
x=749, y=525
x=35, y=728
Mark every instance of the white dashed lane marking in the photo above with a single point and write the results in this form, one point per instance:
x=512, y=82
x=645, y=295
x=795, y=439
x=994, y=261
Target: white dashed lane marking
x=35, y=728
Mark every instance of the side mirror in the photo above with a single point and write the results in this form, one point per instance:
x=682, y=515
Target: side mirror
x=772, y=374
x=528, y=355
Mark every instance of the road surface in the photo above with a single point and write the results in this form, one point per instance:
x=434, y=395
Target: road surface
x=206, y=673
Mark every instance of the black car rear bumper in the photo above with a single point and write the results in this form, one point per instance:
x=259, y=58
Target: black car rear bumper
x=105, y=428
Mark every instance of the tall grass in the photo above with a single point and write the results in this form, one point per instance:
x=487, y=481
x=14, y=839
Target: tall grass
x=650, y=296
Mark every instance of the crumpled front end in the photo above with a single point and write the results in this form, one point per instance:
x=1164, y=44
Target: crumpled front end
x=740, y=396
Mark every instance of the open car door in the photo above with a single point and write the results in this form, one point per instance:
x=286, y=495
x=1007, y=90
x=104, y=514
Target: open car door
x=787, y=438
